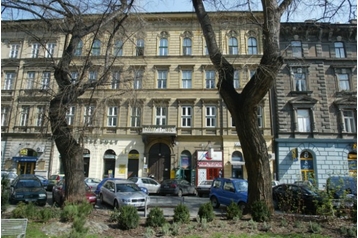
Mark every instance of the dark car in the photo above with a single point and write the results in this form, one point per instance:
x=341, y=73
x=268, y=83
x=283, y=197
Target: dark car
x=227, y=190
x=58, y=193
x=27, y=188
x=342, y=190
x=296, y=198
x=43, y=180
x=98, y=189
x=177, y=187
x=203, y=188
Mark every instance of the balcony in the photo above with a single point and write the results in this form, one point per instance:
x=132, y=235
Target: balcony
x=159, y=130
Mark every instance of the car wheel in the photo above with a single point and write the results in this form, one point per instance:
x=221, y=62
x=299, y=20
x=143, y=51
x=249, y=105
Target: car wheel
x=101, y=198
x=200, y=194
x=115, y=204
x=53, y=200
x=242, y=206
x=214, y=202
x=180, y=193
x=275, y=204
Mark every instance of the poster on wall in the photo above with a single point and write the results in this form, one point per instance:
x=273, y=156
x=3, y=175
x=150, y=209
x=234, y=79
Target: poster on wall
x=210, y=156
x=122, y=169
x=184, y=163
x=201, y=175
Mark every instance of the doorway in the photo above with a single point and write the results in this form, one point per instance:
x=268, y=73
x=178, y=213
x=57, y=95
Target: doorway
x=159, y=161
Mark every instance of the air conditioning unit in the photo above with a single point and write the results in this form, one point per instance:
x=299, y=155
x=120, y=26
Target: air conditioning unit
x=40, y=149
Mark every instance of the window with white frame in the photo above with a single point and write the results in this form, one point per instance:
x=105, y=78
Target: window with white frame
x=210, y=79
x=163, y=47
x=186, y=78
x=70, y=115
x=296, y=48
x=303, y=120
x=35, y=50
x=14, y=51
x=50, y=50
x=30, y=80
x=78, y=50
x=210, y=116
x=24, y=115
x=74, y=77
x=4, y=115
x=343, y=80
x=116, y=75
x=186, y=116
x=92, y=76
x=299, y=77
x=260, y=116
x=161, y=116
x=138, y=78
x=88, y=115
x=9, y=80
x=187, y=46
x=45, y=81
x=118, y=48
x=349, y=121
x=135, y=117
x=252, y=46
x=140, y=47
x=162, y=78
x=112, y=116
x=40, y=115
x=233, y=46
x=96, y=48
x=339, y=49
x=236, y=79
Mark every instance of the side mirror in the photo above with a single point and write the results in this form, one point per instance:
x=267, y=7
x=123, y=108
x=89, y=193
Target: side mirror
x=112, y=190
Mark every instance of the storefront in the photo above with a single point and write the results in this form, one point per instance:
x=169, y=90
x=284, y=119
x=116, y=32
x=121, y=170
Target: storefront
x=209, y=165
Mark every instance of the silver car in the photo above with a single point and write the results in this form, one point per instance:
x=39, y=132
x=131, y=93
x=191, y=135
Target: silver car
x=92, y=183
x=124, y=192
x=152, y=185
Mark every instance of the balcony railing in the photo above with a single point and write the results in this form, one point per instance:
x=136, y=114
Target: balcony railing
x=159, y=130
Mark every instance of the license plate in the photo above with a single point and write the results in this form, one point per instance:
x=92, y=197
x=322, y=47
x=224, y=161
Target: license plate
x=166, y=186
x=30, y=200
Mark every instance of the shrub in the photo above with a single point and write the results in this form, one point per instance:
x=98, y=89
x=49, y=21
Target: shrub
x=233, y=211
x=24, y=210
x=5, y=193
x=155, y=218
x=260, y=211
x=181, y=214
x=128, y=217
x=71, y=211
x=206, y=211
x=315, y=228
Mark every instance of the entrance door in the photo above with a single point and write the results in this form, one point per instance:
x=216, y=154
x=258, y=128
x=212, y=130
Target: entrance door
x=212, y=173
x=159, y=161
x=25, y=167
x=133, y=168
x=109, y=168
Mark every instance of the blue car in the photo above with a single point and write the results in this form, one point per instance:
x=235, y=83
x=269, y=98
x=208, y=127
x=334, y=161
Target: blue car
x=227, y=190
x=43, y=180
x=98, y=189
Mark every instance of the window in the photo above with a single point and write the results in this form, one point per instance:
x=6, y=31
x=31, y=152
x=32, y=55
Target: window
x=112, y=116
x=343, y=81
x=135, y=117
x=74, y=77
x=233, y=46
x=4, y=115
x=161, y=116
x=303, y=120
x=14, y=51
x=9, y=80
x=260, y=117
x=296, y=48
x=186, y=78
x=30, y=80
x=349, y=121
x=186, y=115
x=138, y=77
x=252, y=46
x=78, y=50
x=89, y=110
x=162, y=78
x=299, y=78
x=140, y=47
x=206, y=50
x=163, y=47
x=45, y=82
x=24, y=117
x=307, y=167
x=115, y=80
x=236, y=79
x=40, y=115
x=118, y=48
x=92, y=76
x=187, y=46
x=70, y=115
x=35, y=49
x=210, y=116
x=50, y=50
x=210, y=79
x=96, y=48
x=339, y=49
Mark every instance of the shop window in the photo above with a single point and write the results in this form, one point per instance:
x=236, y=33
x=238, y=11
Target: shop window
x=307, y=167
x=352, y=164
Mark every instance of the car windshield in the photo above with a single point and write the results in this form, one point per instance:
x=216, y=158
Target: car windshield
x=28, y=184
x=241, y=186
x=127, y=187
x=343, y=183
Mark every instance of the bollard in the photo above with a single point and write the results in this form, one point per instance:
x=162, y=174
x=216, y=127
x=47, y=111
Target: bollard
x=145, y=207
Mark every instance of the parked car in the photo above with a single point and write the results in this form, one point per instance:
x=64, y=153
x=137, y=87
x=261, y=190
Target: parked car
x=27, y=188
x=151, y=184
x=177, y=187
x=53, y=179
x=8, y=175
x=92, y=183
x=123, y=192
x=203, y=188
x=296, y=198
x=227, y=190
x=58, y=193
x=98, y=189
x=342, y=190
x=43, y=180
x=275, y=183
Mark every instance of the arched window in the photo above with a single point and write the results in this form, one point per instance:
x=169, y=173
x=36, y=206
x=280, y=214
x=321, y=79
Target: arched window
x=233, y=46
x=238, y=163
x=96, y=48
x=307, y=167
x=78, y=51
x=252, y=46
x=163, y=47
x=187, y=46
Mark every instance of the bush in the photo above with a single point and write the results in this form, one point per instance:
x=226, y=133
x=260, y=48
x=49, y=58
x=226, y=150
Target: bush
x=181, y=214
x=71, y=211
x=5, y=193
x=24, y=210
x=233, y=211
x=260, y=211
x=206, y=212
x=155, y=218
x=128, y=217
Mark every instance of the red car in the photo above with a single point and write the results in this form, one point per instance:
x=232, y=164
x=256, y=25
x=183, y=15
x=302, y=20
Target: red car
x=58, y=194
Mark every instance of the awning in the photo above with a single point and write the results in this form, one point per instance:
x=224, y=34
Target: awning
x=25, y=159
